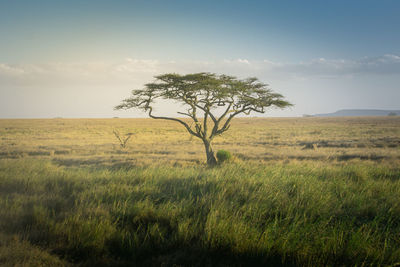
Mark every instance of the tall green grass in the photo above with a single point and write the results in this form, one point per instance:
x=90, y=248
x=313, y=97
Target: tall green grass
x=240, y=213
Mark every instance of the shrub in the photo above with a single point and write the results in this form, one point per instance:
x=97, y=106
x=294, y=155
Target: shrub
x=122, y=140
x=223, y=155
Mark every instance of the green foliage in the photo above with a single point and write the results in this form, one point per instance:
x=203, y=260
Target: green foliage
x=241, y=214
x=223, y=156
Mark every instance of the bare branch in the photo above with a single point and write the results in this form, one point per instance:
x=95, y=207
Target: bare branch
x=173, y=119
x=226, y=125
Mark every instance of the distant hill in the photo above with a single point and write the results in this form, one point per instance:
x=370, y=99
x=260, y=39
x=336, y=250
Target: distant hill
x=359, y=112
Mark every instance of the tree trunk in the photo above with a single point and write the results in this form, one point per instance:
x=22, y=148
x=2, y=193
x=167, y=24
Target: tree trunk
x=211, y=160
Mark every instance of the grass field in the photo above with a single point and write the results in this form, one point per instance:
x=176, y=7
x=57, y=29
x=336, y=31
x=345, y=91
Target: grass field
x=299, y=191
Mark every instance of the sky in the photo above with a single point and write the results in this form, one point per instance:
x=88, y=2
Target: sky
x=79, y=59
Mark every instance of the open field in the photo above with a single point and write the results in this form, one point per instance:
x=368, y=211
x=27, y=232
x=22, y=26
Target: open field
x=91, y=142
x=300, y=191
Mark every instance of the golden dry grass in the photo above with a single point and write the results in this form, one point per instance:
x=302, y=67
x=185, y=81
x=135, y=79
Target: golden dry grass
x=91, y=141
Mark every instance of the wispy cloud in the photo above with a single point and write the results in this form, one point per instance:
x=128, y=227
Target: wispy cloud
x=386, y=64
x=93, y=88
x=139, y=70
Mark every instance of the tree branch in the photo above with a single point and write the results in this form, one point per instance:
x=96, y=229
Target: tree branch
x=205, y=123
x=226, y=125
x=216, y=122
x=174, y=119
x=203, y=109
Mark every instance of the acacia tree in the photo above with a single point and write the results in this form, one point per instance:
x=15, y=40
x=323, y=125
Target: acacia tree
x=205, y=95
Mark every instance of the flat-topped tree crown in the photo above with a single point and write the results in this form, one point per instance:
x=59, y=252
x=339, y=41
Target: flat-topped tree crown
x=204, y=95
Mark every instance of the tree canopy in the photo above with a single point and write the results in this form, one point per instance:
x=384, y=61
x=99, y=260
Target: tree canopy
x=205, y=95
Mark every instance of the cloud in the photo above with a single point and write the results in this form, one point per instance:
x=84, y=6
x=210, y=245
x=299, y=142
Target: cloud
x=139, y=71
x=137, y=65
x=10, y=70
x=93, y=88
x=383, y=65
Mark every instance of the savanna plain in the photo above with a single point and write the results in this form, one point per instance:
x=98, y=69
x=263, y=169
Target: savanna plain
x=297, y=192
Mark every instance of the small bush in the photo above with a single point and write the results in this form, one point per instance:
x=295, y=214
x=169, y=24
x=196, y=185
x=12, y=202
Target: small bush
x=122, y=140
x=223, y=155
